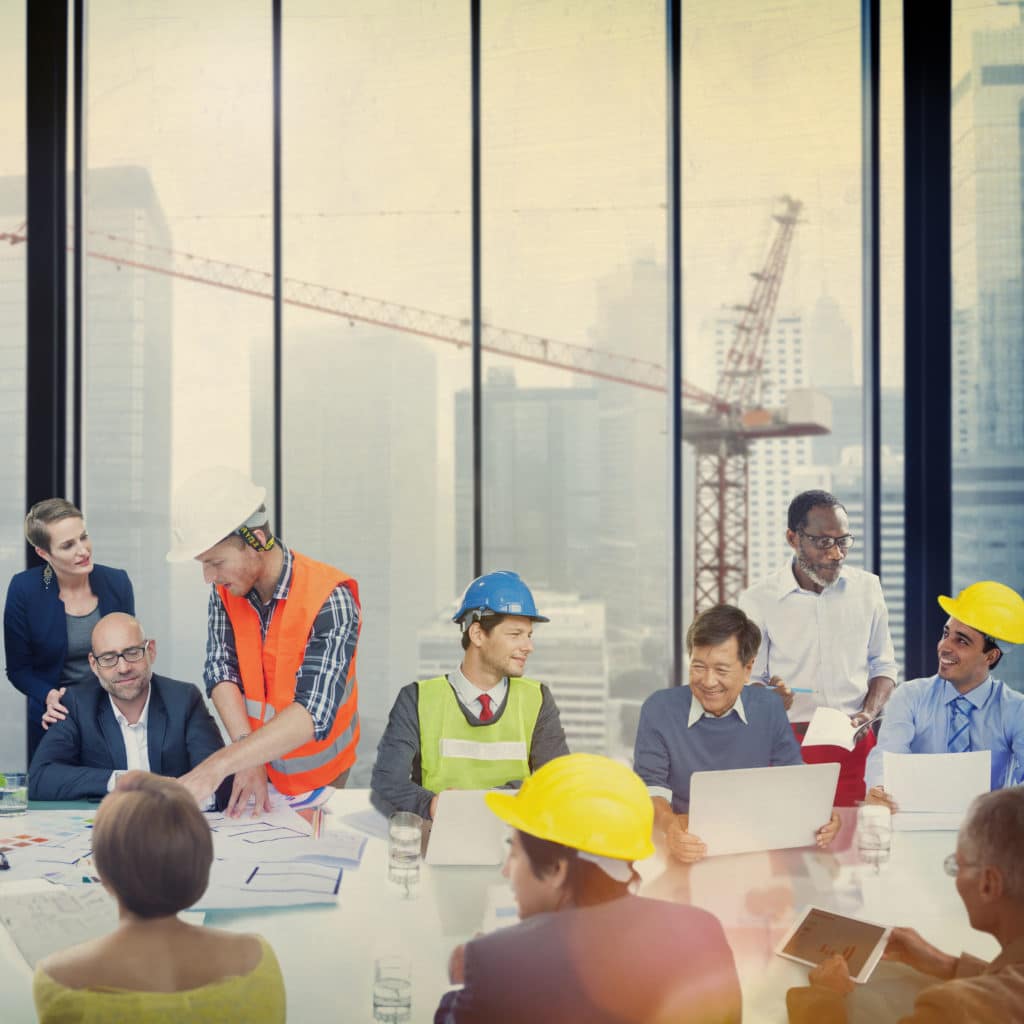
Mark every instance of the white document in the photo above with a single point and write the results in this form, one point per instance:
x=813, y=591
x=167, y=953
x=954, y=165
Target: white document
x=830, y=728
x=465, y=830
x=746, y=809
x=237, y=886
x=46, y=918
x=341, y=849
x=369, y=820
x=943, y=783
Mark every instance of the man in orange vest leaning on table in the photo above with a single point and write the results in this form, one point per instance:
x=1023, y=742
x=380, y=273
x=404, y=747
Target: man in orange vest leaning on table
x=281, y=647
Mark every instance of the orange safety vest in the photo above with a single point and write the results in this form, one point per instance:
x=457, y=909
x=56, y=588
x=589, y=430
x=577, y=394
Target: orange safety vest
x=268, y=670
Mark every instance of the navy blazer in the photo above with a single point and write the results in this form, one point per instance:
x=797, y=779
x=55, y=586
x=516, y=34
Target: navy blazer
x=77, y=755
x=622, y=962
x=36, y=632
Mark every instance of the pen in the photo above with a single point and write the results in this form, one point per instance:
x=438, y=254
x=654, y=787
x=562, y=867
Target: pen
x=801, y=689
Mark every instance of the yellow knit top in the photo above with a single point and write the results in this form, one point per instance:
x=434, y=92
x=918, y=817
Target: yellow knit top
x=256, y=997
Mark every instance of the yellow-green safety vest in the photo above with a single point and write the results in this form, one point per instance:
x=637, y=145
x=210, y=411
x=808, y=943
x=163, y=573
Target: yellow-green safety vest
x=457, y=755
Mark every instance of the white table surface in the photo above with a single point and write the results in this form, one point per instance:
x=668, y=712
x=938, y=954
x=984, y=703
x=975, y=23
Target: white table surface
x=327, y=954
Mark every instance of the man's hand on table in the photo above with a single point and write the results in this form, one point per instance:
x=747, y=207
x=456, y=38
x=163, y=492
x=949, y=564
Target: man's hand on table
x=824, y=836
x=683, y=845
x=877, y=797
x=908, y=947
x=833, y=973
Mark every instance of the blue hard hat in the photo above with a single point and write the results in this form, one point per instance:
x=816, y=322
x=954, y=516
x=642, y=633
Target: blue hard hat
x=498, y=593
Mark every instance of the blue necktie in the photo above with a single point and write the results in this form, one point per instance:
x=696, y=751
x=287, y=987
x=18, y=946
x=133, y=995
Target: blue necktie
x=959, y=725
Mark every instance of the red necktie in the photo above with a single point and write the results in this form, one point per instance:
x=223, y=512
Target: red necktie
x=485, y=702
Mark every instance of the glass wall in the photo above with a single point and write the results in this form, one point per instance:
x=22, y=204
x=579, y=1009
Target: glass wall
x=12, y=343
x=377, y=435
x=988, y=298
x=772, y=227
x=178, y=322
x=376, y=231
x=575, y=483
x=891, y=285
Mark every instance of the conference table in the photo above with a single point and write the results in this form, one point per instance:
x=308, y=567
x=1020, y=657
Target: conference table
x=327, y=953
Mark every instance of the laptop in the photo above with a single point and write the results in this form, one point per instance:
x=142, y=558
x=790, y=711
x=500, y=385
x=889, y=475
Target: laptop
x=742, y=810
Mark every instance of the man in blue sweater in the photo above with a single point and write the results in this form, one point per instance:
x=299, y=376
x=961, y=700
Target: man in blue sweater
x=711, y=725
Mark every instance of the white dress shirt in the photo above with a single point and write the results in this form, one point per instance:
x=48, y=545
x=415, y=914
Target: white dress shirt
x=136, y=740
x=830, y=643
x=469, y=693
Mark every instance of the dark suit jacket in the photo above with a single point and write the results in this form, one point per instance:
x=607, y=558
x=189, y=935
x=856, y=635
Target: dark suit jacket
x=77, y=755
x=36, y=633
x=628, y=961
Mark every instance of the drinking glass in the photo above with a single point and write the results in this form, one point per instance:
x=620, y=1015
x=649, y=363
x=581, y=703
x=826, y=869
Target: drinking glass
x=874, y=835
x=13, y=793
x=392, y=989
x=405, y=841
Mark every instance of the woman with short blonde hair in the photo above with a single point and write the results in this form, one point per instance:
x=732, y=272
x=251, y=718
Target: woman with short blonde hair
x=51, y=610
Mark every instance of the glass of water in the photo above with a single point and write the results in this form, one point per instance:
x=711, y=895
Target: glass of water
x=405, y=841
x=392, y=989
x=874, y=835
x=13, y=793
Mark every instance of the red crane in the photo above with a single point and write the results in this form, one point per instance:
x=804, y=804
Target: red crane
x=716, y=423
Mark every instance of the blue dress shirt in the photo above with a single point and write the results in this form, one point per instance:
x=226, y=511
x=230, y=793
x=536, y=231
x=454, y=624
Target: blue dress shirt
x=917, y=722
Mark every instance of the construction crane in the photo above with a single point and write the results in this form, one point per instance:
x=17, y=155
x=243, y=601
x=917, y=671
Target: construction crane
x=721, y=425
x=723, y=432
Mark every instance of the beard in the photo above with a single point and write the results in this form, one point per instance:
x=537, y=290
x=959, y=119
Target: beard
x=813, y=575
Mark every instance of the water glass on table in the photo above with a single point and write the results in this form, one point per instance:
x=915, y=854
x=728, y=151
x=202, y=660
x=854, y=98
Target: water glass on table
x=392, y=990
x=13, y=793
x=405, y=843
x=874, y=835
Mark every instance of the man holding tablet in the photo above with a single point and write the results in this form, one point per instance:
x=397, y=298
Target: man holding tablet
x=962, y=707
x=989, y=873
x=713, y=724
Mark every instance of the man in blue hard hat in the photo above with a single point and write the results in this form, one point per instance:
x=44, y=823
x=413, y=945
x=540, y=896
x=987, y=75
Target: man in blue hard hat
x=482, y=725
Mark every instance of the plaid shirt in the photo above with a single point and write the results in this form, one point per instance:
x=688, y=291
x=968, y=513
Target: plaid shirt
x=320, y=684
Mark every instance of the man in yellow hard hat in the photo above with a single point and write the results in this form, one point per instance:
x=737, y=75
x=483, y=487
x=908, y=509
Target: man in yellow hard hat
x=962, y=707
x=281, y=646
x=586, y=949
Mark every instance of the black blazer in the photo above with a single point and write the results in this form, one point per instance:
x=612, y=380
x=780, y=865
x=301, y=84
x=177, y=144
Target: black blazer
x=77, y=755
x=629, y=961
x=36, y=634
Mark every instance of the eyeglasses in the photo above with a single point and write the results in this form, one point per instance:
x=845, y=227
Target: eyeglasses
x=825, y=543
x=952, y=867
x=108, y=659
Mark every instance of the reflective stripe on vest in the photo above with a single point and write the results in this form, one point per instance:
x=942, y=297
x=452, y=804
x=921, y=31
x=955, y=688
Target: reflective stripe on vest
x=457, y=755
x=268, y=670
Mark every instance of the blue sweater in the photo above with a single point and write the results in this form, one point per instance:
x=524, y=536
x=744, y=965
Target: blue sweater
x=667, y=752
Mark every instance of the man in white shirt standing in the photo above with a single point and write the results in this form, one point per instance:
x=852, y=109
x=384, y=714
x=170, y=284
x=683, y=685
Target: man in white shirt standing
x=129, y=718
x=825, y=634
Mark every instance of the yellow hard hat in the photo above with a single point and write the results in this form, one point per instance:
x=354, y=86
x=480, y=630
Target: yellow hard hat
x=585, y=801
x=207, y=507
x=991, y=608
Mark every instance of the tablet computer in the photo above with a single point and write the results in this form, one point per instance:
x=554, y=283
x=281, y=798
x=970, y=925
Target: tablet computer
x=817, y=934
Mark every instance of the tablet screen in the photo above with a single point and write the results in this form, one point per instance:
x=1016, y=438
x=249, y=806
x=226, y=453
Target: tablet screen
x=821, y=934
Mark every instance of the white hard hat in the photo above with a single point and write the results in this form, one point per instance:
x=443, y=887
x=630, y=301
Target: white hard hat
x=209, y=506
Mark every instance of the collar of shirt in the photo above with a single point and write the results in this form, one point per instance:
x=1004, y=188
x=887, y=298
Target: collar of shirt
x=143, y=718
x=789, y=584
x=978, y=696
x=469, y=693
x=697, y=711
x=284, y=581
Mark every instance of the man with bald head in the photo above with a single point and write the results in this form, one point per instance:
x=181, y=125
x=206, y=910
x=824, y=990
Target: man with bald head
x=129, y=717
